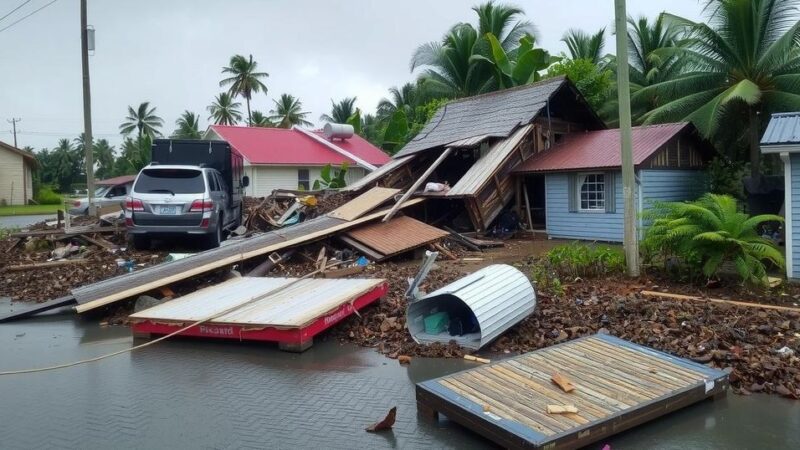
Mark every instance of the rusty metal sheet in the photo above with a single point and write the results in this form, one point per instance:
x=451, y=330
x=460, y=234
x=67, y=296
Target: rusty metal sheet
x=363, y=204
x=399, y=235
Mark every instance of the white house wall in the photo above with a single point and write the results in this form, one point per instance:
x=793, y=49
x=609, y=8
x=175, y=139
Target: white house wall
x=265, y=179
x=12, y=178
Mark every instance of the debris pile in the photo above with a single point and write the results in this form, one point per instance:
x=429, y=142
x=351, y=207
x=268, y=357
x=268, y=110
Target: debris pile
x=282, y=208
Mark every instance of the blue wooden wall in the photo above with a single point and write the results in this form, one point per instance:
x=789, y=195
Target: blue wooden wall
x=561, y=223
x=661, y=185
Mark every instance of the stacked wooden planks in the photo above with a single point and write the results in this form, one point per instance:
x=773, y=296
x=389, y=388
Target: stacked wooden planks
x=618, y=385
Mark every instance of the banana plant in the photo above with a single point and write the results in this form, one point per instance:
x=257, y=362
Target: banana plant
x=330, y=178
x=518, y=67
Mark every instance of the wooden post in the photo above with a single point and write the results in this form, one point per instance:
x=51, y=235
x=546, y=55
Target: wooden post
x=417, y=183
x=628, y=177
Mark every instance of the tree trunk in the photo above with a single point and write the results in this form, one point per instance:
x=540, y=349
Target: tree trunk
x=755, y=150
x=249, y=116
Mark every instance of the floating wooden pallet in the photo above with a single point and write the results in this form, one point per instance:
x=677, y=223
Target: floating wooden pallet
x=618, y=385
x=290, y=316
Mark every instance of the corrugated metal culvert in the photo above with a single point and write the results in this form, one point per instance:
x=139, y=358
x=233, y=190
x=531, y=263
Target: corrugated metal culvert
x=474, y=310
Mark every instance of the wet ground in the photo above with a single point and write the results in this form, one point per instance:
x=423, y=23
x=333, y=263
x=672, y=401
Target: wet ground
x=204, y=394
x=23, y=221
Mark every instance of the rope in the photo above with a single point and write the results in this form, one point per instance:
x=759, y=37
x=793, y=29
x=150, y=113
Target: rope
x=149, y=343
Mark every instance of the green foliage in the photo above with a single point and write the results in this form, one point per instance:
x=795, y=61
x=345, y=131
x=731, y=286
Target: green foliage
x=142, y=119
x=593, y=82
x=582, y=45
x=187, y=126
x=46, y=196
x=709, y=233
x=135, y=155
x=355, y=122
x=244, y=80
x=288, y=112
x=340, y=111
x=396, y=133
x=518, y=67
x=726, y=177
x=738, y=65
x=330, y=178
x=578, y=259
x=224, y=111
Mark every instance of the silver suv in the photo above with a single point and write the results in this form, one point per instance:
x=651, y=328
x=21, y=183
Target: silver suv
x=183, y=200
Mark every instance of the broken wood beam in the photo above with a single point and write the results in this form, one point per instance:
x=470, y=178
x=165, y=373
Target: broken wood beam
x=43, y=265
x=718, y=300
x=562, y=409
x=417, y=183
x=358, y=246
x=458, y=237
x=477, y=359
x=562, y=382
x=441, y=249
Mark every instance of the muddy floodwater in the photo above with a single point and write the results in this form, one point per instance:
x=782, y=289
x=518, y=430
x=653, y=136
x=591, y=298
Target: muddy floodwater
x=204, y=394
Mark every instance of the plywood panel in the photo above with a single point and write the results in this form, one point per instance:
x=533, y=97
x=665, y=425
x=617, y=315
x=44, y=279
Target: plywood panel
x=363, y=204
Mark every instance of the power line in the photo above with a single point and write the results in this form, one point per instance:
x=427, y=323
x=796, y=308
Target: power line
x=27, y=15
x=15, y=9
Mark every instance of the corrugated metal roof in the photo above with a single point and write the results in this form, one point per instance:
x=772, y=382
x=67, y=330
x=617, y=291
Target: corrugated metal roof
x=499, y=295
x=293, y=307
x=495, y=114
x=396, y=236
x=376, y=175
x=601, y=149
x=783, y=129
x=481, y=172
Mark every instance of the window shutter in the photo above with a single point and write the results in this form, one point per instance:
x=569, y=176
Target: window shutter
x=611, y=192
x=572, y=192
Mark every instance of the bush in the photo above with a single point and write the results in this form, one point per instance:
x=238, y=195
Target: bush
x=704, y=235
x=46, y=196
x=585, y=260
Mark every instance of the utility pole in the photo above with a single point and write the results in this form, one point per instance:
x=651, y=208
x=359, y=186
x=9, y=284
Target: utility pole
x=13, y=123
x=628, y=175
x=87, y=109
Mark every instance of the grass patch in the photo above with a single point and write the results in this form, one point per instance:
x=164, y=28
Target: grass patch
x=24, y=210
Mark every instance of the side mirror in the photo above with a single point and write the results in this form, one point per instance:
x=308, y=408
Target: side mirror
x=245, y=181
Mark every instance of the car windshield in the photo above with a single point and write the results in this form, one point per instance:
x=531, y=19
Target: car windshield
x=170, y=181
x=100, y=191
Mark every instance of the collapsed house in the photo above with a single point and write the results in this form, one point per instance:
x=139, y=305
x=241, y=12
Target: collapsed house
x=473, y=144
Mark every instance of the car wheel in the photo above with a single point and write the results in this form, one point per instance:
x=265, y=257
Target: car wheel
x=140, y=241
x=214, y=238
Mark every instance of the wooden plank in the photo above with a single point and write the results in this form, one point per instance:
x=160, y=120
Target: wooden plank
x=717, y=300
x=588, y=408
x=36, y=308
x=417, y=183
x=675, y=379
x=623, y=355
x=363, y=204
x=373, y=254
x=233, y=259
x=45, y=265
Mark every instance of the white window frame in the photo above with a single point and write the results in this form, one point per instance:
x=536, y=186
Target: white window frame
x=579, y=191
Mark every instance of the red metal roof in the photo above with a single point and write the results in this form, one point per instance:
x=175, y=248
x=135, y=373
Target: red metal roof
x=601, y=149
x=116, y=180
x=281, y=146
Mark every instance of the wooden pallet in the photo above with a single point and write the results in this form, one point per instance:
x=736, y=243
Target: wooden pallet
x=619, y=385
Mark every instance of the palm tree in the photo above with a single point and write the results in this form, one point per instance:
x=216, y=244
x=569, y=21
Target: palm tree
x=403, y=98
x=742, y=64
x=187, y=126
x=449, y=67
x=582, y=45
x=244, y=80
x=261, y=120
x=224, y=111
x=341, y=111
x=66, y=161
x=143, y=119
x=289, y=112
x=103, y=154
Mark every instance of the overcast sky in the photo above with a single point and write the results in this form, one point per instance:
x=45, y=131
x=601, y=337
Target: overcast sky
x=170, y=52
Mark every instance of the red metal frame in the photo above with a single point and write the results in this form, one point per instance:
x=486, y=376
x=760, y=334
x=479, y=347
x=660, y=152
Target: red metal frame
x=296, y=336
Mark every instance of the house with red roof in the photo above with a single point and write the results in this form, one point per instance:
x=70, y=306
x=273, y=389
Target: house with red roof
x=576, y=185
x=279, y=158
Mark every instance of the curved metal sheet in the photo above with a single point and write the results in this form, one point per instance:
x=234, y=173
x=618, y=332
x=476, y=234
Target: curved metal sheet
x=498, y=295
